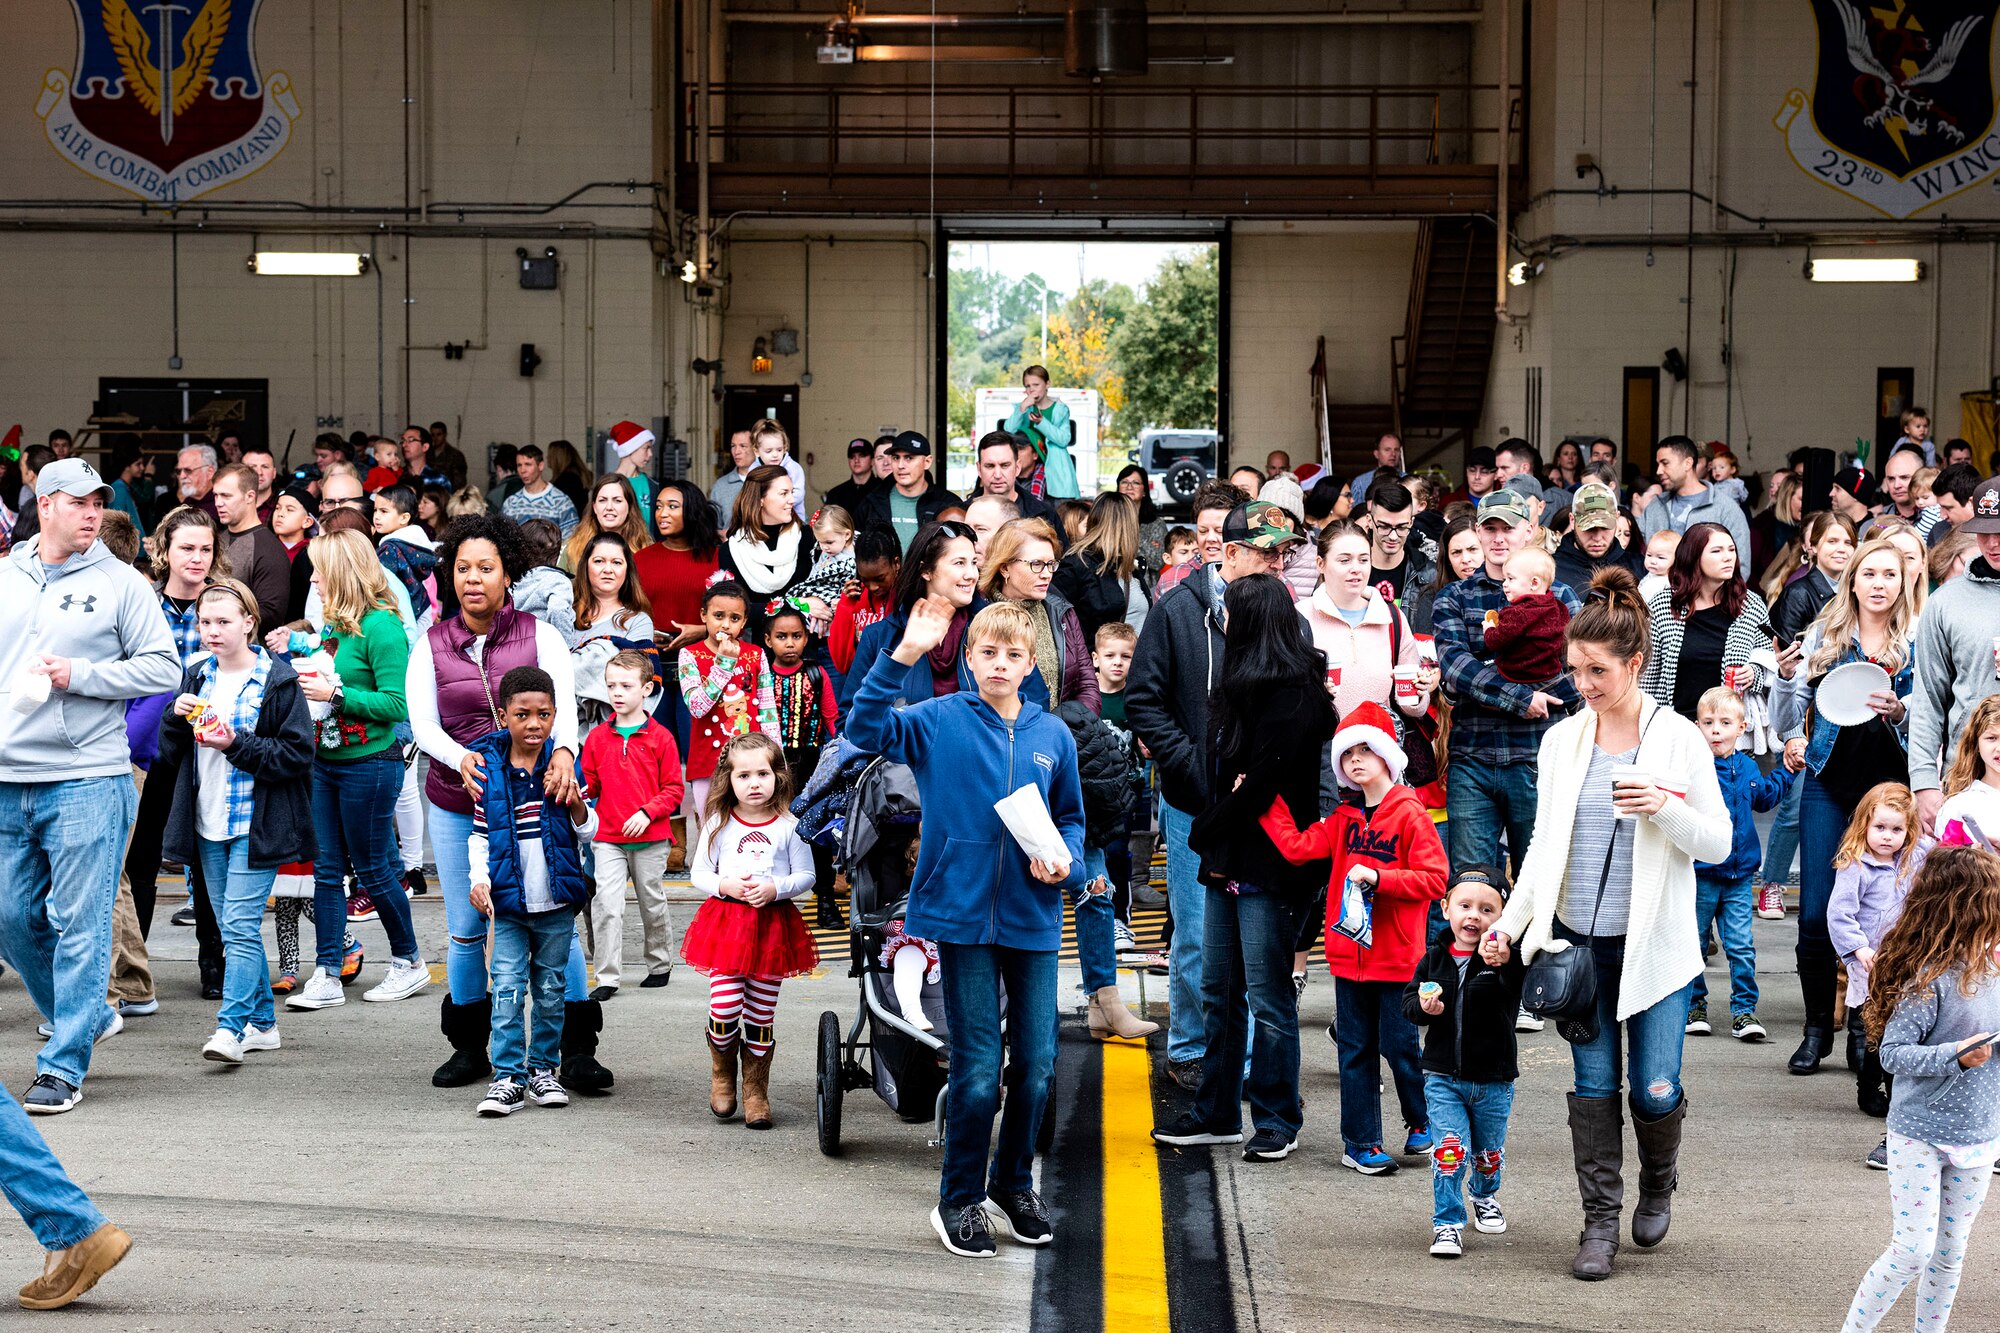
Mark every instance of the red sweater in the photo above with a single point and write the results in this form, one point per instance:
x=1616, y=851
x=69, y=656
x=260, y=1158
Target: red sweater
x=1526, y=638
x=850, y=617
x=1401, y=844
x=626, y=774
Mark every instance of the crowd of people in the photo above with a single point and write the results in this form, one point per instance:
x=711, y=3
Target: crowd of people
x=1498, y=743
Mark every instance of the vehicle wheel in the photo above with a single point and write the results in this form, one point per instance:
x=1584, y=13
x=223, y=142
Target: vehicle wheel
x=1183, y=479
x=830, y=1081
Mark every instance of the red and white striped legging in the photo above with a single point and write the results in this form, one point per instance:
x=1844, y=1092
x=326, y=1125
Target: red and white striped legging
x=752, y=999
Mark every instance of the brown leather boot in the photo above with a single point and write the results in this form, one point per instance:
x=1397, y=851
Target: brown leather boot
x=1659, y=1174
x=76, y=1270
x=757, y=1076
x=1109, y=1017
x=722, y=1071
x=1597, y=1138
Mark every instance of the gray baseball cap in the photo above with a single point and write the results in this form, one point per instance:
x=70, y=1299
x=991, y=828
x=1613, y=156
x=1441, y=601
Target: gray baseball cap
x=71, y=476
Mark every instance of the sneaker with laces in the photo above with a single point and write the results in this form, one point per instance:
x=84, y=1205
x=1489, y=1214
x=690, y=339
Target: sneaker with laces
x=1269, y=1146
x=1188, y=1132
x=223, y=1048
x=361, y=907
x=49, y=1095
x=1771, y=902
x=1418, y=1143
x=1122, y=938
x=184, y=917
x=1527, y=1022
x=112, y=1027
x=1447, y=1242
x=1022, y=1215
x=406, y=977
x=1878, y=1159
x=503, y=1097
x=544, y=1089
x=1371, y=1161
x=966, y=1232
x=1697, y=1020
x=255, y=1038
x=1486, y=1215
x=1298, y=987
x=321, y=991
x=1745, y=1027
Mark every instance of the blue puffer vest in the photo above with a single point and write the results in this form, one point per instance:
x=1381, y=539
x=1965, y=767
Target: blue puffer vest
x=568, y=884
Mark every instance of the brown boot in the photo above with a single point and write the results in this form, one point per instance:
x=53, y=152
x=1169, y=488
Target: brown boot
x=1659, y=1174
x=757, y=1076
x=1109, y=1017
x=75, y=1270
x=722, y=1071
x=1597, y=1138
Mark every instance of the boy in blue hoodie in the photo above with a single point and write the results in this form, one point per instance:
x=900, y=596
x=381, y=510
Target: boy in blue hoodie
x=995, y=913
x=1724, y=892
x=527, y=875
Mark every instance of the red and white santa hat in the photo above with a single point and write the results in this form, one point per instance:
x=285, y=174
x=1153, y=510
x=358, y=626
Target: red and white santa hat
x=629, y=437
x=1369, y=725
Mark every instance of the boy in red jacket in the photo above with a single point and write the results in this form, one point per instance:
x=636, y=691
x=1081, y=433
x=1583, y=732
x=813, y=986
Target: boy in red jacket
x=632, y=770
x=1383, y=840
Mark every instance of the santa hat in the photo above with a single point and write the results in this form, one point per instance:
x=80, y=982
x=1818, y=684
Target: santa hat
x=629, y=437
x=1369, y=725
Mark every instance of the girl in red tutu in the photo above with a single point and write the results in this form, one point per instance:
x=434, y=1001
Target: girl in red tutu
x=748, y=937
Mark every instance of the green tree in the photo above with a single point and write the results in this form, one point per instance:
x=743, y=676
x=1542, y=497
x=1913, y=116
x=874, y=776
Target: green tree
x=1166, y=351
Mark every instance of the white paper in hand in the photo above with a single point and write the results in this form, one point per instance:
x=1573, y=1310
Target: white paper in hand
x=1027, y=817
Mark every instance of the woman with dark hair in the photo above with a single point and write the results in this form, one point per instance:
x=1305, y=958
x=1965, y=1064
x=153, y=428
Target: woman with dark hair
x=1705, y=623
x=770, y=550
x=453, y=687
x=940, y=563
x=1268, y=717
x=1566, y=469
x=1136, y=486
x=1611, y=869
x=673, y=570
x=1458, y=556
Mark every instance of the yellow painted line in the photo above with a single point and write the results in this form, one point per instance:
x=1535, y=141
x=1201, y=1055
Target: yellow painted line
x=1135, y=1242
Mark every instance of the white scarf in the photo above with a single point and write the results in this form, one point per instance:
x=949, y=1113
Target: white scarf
x=766, y=570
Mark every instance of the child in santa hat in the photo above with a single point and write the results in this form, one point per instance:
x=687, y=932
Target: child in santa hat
x=1381, y=838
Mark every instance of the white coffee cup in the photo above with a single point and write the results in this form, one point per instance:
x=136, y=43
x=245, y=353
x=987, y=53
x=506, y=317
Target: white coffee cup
x=31, y=691
x=1627, y=773
x=1406, y=684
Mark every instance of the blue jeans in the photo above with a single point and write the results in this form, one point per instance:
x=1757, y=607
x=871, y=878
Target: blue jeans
x=1186, y=897
x=465, y=949
x=530, y=954
x=1727, y=903
x=1096, y=941
x=57, y=1211
x=354, y=820
x=1246, y=971
x=1482, y=802
x=1653, y=1062
x=240, y=893
x=1822, y=821
x=1369, y=1027
x=973, y=975
x=60, y=845
x=1468, y=1127
x=1783, y=848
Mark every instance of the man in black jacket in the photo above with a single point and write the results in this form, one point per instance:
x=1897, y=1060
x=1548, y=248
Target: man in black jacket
x=1592, y=541
x=853, y=493
x=914, y=499
x=999, y=477
x=1178, y=661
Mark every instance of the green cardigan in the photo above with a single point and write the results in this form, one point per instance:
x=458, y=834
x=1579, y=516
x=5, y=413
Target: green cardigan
x=371, y=666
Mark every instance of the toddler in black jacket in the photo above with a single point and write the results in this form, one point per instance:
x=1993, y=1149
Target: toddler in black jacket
x=1468, y=1010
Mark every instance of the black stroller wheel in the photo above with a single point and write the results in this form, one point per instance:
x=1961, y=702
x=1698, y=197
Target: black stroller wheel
x=829, y=1085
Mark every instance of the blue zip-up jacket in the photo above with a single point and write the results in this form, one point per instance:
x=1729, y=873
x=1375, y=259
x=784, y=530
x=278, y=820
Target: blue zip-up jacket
x=1744, y=790
x=972, y=884
x=879, y=640
x=505, y=788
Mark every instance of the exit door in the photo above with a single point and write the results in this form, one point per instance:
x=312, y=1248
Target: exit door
x=744, y=405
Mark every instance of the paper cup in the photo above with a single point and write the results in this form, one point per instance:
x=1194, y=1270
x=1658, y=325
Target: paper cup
x=1406, y=684
x=1627, y=773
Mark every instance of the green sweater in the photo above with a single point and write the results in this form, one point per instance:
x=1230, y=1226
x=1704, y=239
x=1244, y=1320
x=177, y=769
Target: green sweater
x=371, y=667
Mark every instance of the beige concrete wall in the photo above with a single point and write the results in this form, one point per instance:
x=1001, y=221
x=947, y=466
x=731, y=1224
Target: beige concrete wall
x=1291, y=283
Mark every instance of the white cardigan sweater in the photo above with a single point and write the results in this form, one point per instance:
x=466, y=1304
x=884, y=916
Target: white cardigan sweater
x=1662, y=952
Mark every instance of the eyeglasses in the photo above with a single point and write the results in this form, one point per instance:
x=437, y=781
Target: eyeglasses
x=1394, y=529
x=1039, y=566
x=337, y=502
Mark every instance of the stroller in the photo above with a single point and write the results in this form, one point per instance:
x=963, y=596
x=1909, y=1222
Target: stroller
x=905, y=1064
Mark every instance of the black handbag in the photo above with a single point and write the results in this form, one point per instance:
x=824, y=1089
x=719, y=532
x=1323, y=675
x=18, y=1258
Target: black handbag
x=1561, y=985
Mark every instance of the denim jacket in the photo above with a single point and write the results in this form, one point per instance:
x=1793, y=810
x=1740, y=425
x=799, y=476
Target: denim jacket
x=1793, y=697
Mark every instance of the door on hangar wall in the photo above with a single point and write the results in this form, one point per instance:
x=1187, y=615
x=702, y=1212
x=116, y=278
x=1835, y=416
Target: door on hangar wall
x=242, y=405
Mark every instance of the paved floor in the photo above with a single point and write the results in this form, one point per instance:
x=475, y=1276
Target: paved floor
x=330, y=1183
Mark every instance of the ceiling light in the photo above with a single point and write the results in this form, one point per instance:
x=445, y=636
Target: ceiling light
x=1864, y=270
x=307, y=264
x=1525, y=272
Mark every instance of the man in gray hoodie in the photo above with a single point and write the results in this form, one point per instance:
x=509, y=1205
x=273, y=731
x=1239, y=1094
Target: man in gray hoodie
x=1954, y=656
x=80, y=633
x=1683, y=499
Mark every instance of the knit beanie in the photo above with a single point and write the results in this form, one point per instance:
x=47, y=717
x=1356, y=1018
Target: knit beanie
x=1369, y=725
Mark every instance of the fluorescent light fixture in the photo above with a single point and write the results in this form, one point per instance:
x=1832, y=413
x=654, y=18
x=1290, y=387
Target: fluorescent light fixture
x=307, y=264
x=1864, y=270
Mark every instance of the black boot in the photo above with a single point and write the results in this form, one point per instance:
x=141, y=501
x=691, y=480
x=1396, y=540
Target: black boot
x=1597, y=1138
x=1872, y=1085
x=1816, y=981
x=468, y=1027
x=211, y=980
x=580, y=1072
x=1659, y=1174
x=1857, y=1040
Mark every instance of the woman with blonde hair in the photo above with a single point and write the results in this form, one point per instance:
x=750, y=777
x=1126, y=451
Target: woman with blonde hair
x=358, y=768
x=1095, y=576
x=613, y=507
x=471, y=500
x=1020, y=567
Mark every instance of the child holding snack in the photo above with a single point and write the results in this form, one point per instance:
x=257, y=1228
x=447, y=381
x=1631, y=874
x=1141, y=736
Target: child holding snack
x=726, y=684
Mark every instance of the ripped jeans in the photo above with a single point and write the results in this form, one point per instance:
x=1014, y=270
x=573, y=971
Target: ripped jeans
x=1468, y=1142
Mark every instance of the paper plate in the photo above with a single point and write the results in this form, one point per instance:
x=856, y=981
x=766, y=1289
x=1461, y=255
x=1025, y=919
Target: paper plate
x=1842, y=697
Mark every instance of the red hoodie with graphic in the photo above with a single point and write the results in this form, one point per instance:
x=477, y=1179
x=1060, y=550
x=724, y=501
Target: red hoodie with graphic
x=1400, y=843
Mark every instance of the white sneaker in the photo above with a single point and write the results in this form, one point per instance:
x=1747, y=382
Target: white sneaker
x=404, y=980
x=503, y=1097
x=1447, y=1242
x=1486, y=1215
x=545, y=1090
x=260, y=1039
x=223, y=1048
x=1527, y=1022
x=322, y=991
x=112, y=1027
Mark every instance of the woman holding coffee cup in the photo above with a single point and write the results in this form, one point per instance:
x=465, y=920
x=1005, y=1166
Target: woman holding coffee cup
x=1705, y=623
x=1611, y=868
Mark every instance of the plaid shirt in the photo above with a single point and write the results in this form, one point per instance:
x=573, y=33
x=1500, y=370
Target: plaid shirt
x=187, y=635
x=243, y=721
x=1488, y=721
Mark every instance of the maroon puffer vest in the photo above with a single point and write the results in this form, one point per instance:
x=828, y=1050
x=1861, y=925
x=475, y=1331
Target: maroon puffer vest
x=464, y=706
